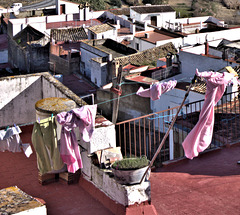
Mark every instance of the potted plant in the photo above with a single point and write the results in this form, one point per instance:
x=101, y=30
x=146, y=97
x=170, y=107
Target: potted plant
x=130, y=171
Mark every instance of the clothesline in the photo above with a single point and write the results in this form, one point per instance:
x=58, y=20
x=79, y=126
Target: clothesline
x=31, y=123
x=158, y=117
x=116, y=98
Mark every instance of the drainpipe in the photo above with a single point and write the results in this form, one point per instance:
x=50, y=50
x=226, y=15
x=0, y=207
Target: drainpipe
x=171, y=145
x=206, y=48
x=88, y=96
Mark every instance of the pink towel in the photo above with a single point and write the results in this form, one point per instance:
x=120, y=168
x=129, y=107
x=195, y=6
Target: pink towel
x=156, y=90
x=84, y=118
x=200, y=136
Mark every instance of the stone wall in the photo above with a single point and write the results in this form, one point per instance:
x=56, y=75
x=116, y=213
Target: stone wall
x=131, y=106
x=28, y=59
x=20, y=93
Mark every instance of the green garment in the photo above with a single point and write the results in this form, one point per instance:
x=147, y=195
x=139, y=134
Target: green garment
x=44, y=140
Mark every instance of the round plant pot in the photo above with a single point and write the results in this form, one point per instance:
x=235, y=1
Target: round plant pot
x=130, y=177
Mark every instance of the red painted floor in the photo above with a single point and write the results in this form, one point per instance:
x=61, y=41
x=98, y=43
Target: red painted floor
x=209, y=184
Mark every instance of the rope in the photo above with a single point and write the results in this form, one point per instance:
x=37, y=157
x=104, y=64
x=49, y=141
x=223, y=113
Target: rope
x=152, y=118
x=115, y=98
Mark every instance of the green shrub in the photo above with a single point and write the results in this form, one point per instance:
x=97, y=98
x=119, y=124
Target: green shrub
x=131, y=163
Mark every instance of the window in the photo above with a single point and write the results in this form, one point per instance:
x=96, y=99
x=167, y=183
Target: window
x=137, y=46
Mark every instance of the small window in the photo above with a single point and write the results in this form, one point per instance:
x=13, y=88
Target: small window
x=137, y=46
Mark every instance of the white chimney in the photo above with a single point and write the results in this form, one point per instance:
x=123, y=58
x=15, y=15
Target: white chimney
x=118, y=24
x=146, y=35
x=133, y=29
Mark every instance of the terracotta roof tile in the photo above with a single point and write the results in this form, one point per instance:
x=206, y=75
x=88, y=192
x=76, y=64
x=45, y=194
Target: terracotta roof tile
x=71, y=34
x=101, y=28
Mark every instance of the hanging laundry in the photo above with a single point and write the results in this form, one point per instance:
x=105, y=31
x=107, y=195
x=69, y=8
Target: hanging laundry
x=84, y=119
x=200, y=136
x=10, y=140
x=156, y=90
x=44, y=140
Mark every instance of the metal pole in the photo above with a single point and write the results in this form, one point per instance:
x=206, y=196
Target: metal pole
x=170, y=127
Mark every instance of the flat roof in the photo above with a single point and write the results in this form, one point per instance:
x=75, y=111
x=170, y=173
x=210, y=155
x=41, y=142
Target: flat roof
x=153, y=36
x=76, y=23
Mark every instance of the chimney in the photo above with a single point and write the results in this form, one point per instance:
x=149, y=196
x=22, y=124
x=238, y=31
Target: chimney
x=146, y=35
x=86, y=11
x=118, y=24
x=225, y=54
x=169, y=60
x=81, y=12
x=206, y=48
x=133, y=29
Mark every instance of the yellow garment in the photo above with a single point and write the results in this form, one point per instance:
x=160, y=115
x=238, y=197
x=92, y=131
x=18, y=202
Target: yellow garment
x=231, y=70
x=44, y=140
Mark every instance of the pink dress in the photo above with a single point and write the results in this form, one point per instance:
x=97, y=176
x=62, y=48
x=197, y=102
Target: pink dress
x=84, y=119
x=156, y=90
x=200, y=136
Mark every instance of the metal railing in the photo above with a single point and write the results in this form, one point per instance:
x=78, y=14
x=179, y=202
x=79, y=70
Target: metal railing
x=142, y=135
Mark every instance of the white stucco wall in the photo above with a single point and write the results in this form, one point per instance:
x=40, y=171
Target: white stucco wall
x=230, y=34
x=17, y=99
x=87, y=53
x=19, y=24
x=173, y=99
x=165, y=17
x=111, y=34
x=143, y=45
x=20, y=93
x=161, y=17
x=98, y=73
x=70, y=7
x=201, y=50
x=123, y=22
x=203, y=63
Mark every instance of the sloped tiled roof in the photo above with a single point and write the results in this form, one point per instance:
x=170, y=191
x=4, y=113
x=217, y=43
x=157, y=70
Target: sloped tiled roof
x=28, y=34
x=152, y=9
x=101, y=28
x=147, y=56
x=71, y=34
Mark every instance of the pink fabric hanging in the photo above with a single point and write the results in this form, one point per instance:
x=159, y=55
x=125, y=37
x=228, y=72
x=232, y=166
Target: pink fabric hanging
x=84, y=118
x=200, y=136
x=156, y=90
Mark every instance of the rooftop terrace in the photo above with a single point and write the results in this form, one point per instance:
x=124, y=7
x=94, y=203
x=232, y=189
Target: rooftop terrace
x=208, y=184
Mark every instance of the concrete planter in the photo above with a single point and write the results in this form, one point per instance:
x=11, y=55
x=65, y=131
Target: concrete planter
x=130, y=177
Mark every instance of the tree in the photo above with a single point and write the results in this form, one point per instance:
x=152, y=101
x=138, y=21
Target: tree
x=116, y=3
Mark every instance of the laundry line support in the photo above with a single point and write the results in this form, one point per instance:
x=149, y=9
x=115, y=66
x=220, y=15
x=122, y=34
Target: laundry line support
x=116, y=84
x=169, y=129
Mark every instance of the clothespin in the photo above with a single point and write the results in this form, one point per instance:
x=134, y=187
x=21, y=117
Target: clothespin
x=38, y=119
x=52, y=115
x=7, y=128
x=15, y=126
